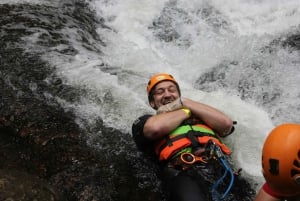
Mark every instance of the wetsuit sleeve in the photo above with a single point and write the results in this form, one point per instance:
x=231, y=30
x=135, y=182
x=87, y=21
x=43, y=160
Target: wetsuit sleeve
x=142, y=143
x=269, y=191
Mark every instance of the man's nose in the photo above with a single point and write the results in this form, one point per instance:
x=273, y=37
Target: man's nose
x=166, y=93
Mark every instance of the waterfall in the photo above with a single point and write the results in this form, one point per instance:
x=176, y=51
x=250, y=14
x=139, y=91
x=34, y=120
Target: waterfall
x=222, y=54
x=233, y=55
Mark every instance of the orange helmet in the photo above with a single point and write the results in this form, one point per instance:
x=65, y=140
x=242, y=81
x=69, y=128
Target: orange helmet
x=155, y=79
x=281, y=159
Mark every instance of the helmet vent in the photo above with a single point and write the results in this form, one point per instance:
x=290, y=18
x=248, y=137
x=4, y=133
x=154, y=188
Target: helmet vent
x=295, y=172
x=274, y=166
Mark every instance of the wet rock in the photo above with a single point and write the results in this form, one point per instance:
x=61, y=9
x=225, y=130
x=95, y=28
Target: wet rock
x=44, y=154
x=17, y=185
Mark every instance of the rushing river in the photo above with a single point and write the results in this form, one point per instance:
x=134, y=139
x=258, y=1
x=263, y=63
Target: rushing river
x=239, y=56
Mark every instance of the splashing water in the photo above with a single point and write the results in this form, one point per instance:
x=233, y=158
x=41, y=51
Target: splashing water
x=222, y=53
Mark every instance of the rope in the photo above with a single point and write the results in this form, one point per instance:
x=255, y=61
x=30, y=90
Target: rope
x=216, y=196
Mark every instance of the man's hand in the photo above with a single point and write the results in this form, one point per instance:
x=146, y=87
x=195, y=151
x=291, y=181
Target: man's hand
x=175, y=105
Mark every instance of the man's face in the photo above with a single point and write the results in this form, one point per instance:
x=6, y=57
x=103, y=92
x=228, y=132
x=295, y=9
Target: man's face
x=164, y=92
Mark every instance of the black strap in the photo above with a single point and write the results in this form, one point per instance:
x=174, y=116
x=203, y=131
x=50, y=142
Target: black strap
x=192, y=138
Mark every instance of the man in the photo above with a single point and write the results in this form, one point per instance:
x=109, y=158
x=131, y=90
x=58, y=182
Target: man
x=178, y=135
x=281, y=164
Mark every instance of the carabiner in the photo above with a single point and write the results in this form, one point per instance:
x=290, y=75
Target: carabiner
x=189, y=158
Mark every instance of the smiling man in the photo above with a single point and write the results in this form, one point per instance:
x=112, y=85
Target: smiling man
x=182, y=127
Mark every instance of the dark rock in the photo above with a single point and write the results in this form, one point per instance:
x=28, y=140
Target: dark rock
x=44, y=154
x=17, y=185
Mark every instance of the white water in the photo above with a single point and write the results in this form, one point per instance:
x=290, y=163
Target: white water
x=137, y=54
x=118, y=96
x=251, y=25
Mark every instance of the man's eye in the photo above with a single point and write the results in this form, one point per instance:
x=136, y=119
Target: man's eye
x=172, y=89
x=159, y=92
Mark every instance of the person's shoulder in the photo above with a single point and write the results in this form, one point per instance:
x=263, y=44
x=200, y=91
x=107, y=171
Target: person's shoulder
x=142, y=119
x=143, y=144
x=138, y=124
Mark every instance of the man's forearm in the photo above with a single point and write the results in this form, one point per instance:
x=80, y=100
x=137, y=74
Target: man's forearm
x=160, y=125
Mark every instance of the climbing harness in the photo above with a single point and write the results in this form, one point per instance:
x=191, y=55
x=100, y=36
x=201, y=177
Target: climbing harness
x=179, y=148
x=187, y=160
